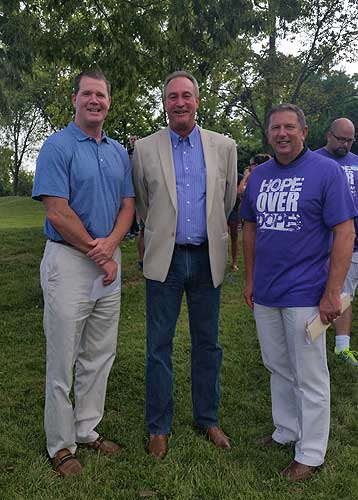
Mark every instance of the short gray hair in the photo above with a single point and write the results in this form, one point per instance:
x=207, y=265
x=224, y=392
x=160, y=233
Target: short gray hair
x=178, y=74
x=286, y=107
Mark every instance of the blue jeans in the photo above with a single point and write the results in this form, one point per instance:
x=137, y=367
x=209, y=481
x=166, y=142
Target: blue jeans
x=190, y=272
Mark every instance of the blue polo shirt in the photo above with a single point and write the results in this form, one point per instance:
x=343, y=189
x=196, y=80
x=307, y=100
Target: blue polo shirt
x=94, y=178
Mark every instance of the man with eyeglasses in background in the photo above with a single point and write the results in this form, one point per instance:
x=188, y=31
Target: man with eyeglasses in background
x=340, y=138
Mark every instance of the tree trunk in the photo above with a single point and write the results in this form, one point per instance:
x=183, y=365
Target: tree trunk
x=15, y=181
x=269, y=67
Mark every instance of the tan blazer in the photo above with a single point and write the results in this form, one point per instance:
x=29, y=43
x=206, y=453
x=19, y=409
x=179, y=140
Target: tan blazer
x=156, y=199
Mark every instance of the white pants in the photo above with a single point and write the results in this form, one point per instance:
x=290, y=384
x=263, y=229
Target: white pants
x=81, y=336
x=300, y=389
x=351, y=281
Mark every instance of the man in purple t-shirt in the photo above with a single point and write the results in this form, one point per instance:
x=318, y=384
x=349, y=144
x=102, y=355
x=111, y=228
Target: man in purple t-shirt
x=340, y=138
x=298, y=240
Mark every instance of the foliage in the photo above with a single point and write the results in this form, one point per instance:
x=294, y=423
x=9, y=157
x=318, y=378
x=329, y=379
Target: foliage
x=26, y=180
x=234, y=48
x=5, y=164
x=22, y=129
x=193, y=469
x=326, y=99
x=324, y=32
x=20, y=118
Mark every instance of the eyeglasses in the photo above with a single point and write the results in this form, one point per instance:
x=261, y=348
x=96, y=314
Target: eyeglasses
x=343, y=139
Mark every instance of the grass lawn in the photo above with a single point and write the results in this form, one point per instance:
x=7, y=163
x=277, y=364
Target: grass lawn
x=193, y=469
x=20, y=212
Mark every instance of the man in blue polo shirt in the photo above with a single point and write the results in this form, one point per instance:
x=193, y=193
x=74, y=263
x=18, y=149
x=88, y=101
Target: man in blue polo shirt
x=340, y=138
x=294, y=206
x=83, y=179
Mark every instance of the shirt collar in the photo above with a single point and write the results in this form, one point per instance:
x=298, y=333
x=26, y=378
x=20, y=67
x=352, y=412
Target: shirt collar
x=297, y=157
x=82, y=136
x=192, y=138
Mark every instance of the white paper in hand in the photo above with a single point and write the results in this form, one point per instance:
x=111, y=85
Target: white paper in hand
x=314, y=326
x=99, y=290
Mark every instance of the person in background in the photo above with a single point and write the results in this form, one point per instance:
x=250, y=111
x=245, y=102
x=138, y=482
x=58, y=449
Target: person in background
x=134, y=229
x=132, y=140
x=233, y=223
x=254, y=162
x=138, y=222
x=340, y=138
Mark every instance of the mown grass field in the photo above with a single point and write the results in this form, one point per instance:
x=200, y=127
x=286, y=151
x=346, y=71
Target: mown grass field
x=193, y=469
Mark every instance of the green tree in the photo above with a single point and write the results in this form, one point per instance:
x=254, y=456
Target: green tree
x=329, y=97
x=324, y=31
x=232, y=46
x=21, y=122
x=22, y=127
x=26, y=181
x=5, y=163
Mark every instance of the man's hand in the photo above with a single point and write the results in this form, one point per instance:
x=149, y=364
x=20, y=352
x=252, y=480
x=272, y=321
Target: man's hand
x=330, y=307
x=110, y=269
x=102, y=251
x=249, y=295
x=341, y=254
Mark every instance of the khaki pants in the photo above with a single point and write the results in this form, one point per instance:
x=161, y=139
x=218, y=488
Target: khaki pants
x=300, y=389
x=81, y=339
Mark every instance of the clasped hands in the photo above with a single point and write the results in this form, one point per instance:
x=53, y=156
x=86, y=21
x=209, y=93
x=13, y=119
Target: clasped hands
x=102, y=253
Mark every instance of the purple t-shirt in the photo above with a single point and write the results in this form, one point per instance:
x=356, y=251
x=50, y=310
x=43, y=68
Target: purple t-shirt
x=295, y=207
x=349, y=163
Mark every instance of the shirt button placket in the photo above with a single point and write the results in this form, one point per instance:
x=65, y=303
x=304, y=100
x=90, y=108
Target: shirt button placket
x=187, y=185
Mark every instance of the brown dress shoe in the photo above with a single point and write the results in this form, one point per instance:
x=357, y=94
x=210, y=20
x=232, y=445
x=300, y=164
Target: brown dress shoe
x=268, y=442
x=299, y=472
x=157, y=445
x=65, y=463
x=218, y=437
x=103, y=445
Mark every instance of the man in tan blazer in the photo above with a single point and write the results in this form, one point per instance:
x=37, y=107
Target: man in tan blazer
x=185, y=180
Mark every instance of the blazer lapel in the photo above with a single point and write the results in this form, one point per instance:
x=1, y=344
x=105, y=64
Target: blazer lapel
x=167, y=164
x=210, y=155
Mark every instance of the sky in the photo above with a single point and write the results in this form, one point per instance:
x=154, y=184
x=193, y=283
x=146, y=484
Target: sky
x=350, y=68
x=291, y=47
